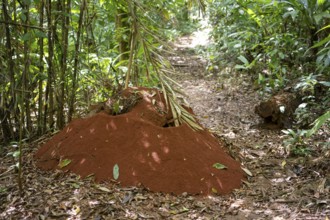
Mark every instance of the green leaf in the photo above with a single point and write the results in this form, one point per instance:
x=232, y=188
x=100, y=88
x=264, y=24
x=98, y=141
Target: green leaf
x=320, y=43
x=16, y=154
x=27, y=36
x=40, y=34
x=325, y=83
x=318, y=123
x=320, y=2
x=75, y=185
x=64, y=163
x=243, y=59
x=240, y=67
x=116, y=108
x=116, y=171
x=219, y=166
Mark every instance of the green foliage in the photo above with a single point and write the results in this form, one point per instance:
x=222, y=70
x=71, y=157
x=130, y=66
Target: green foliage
x=279, y=44
x=295, y=143
x=318, y=123
x=271, y=39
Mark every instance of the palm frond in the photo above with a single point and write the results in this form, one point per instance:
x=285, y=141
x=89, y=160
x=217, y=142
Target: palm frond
x=147, y=39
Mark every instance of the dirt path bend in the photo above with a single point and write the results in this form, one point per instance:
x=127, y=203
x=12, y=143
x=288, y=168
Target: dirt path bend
x=279, y=187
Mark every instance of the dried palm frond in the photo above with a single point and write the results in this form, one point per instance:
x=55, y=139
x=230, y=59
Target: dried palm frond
x=140, y=33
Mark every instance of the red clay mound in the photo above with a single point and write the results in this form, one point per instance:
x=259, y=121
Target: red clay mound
x=163, y=159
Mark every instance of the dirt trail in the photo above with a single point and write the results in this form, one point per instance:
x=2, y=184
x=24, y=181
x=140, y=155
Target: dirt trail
x=279, y=187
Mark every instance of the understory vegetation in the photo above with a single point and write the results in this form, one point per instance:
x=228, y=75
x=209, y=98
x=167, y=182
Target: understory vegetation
x=281, y=46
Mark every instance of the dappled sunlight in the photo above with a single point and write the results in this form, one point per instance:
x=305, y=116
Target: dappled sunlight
x=165, y=149
x=200, y=38
x=219, y=182
x=134, y=173
x=156, y=157
x=68, y=129
x=141, y=158
x=82, y=161
x=152, y=166
x=92, y=130
x=145, y=143
x=112, y=125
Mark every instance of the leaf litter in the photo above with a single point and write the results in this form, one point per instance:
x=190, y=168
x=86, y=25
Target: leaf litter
x=278, y=187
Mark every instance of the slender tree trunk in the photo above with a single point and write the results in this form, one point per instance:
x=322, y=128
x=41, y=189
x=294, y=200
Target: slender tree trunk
x=49, y=101
x=76, y=61
x=63, y=62
x=5, y=114
x=122, y=29
x=6, y=131
x=41, y=125
x=26, y=95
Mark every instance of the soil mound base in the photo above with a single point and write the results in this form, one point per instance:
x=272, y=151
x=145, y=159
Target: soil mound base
x=170, y=160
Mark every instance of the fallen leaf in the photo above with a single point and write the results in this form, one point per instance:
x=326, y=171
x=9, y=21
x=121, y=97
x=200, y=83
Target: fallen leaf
x=76, y=210
x=64, y=163
x=219, y=166
x=116, y=171
x=104, y=189
x=248, y=172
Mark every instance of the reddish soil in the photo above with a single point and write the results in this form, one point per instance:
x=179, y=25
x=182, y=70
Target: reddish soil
x=160, y=158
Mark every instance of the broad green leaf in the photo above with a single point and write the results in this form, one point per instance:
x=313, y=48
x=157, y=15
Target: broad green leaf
x=116, y=171
x=64, y=163
x=240, y=67
x=318, y=123
x=243, y=59
x=320, y=2
x=40, y=34
x=219, y=166
x=320, y=43
x=27, y=36
x=325, y=83
x=16, y=154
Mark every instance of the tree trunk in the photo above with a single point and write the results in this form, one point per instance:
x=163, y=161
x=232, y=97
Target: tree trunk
x=5, y=118
x=122, y=29
x=66, y=7
x=49, y=101
x=41, y=125
x=76, y=61
x=26, y=91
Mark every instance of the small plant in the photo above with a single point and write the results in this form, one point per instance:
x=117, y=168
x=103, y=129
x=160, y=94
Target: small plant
x=15, y=154
x=296, y=144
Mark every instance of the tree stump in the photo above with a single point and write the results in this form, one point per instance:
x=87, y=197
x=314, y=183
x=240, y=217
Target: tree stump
x=279, y=109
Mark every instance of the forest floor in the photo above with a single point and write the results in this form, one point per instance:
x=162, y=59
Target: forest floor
x=278, y=186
